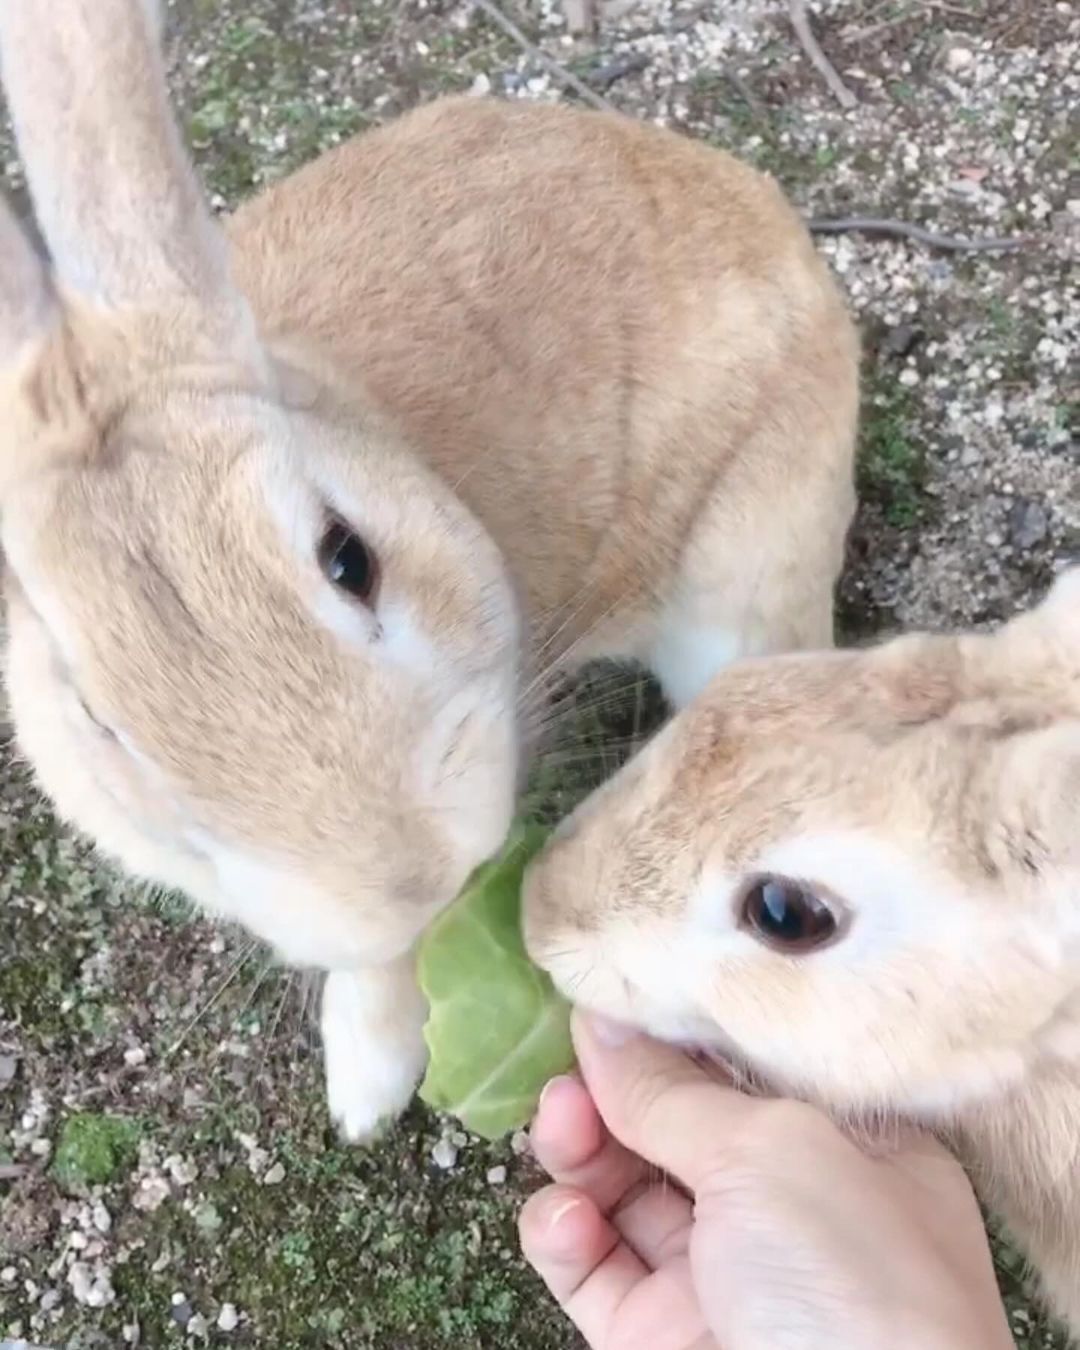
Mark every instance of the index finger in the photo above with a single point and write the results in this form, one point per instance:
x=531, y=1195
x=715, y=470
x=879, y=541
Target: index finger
x=659, y=1103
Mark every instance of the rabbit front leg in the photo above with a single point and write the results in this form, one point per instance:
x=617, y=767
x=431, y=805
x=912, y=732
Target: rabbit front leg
x=752, y=583
x=709, y=627
x=373, y=1041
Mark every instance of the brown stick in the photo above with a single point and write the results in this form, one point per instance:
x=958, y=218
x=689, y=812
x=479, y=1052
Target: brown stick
x=565, y=77
x=852, y=35
x=821, y=63
x=901, y=229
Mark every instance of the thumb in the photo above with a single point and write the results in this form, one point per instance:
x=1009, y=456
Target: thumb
x=658, y=1102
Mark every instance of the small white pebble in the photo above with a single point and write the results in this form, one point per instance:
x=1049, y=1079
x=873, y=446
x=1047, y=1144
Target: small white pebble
x=228, y=1318
x=496, y=1175
x=182, y=1170
x=958, y=58
x=135, y=1056
x=152, y=1193
x=275, y=1175
x=8, y=1275
x=101, y=1218
x=101, y=1293
x=93, y=1290
x=519, y=1142
x=444, y=1154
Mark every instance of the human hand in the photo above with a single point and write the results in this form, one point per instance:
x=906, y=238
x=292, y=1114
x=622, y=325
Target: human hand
x=687, y=1216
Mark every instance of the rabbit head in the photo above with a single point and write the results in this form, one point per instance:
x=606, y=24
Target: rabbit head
x=257, y=653
x=856, y=873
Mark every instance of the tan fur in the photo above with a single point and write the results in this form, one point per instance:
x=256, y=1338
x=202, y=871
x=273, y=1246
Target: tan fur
x=564, y=371
x=932, y=785
x=586, y=313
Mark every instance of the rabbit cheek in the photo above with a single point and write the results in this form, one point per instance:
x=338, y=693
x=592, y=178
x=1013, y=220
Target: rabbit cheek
x=91, y=776
x=467, y=770
x=307, y=922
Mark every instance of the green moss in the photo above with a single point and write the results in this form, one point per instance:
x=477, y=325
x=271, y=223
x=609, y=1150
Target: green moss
x=1032, y=1329
x=592, y=728
x=45, y=876
x=1008, y=337
x=254, y=116
x=1066, y=417
x=93, y=1149
x=891, y=465
x=734, y=120
x=354, y=1249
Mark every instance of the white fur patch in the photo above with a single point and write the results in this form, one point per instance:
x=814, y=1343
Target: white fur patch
x=372, y=1028
x=404, y=642
x=889, y=896
x=351, y=622
x=685, y=656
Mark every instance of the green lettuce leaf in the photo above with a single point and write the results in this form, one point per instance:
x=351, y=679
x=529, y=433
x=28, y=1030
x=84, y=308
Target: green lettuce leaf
x=497, y=1028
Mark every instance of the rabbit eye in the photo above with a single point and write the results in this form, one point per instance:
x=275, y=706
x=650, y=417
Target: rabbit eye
x=787, y=916
x=347, y=562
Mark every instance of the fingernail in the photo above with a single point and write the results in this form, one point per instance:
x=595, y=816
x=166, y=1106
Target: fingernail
x=610, y=1033
x=561, y=1212
x=551, y=1083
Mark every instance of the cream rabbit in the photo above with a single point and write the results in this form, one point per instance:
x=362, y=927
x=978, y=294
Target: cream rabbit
x=279, y=503
x=858, y=873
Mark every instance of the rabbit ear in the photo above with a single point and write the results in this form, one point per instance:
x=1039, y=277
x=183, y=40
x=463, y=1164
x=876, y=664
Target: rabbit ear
x=114, y=192
x=26, y=299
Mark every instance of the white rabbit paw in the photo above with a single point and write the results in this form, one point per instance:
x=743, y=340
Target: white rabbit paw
x=374, y=1049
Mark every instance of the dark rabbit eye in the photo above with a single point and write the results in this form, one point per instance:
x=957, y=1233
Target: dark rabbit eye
x=787, y=916
x=347, y=562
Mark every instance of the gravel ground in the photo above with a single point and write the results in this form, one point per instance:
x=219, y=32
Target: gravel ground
x=166, y=1173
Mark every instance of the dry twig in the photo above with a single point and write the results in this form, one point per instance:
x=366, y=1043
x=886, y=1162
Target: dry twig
x=901, y=229
x=821, y=63
x=565, y=77
x=852, y=35
x=603, y=77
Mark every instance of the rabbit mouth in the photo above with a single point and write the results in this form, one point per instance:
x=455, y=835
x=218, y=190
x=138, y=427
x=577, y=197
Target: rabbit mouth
x=731, y=1069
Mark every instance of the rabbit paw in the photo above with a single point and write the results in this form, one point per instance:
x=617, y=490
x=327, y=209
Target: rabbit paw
x=372, y=1029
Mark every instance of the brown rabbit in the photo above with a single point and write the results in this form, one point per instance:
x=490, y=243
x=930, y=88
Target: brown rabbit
x=858, y=873
x=287, y=510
